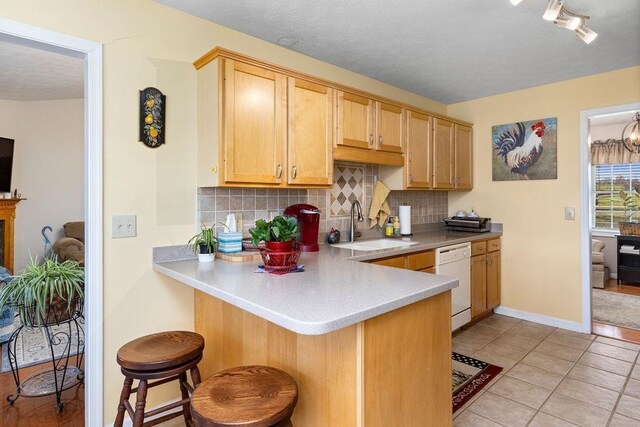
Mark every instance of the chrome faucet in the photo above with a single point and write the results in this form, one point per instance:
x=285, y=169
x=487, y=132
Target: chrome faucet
x=353, y=227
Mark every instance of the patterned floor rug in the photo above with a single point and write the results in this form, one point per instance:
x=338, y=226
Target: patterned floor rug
x=469, y=376
x=616, y=309
x=33, y=348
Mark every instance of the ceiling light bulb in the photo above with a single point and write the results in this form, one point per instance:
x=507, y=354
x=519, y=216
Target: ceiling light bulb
x=516, y=2
x=553, y=10
x=586, y=34
x=568, y=22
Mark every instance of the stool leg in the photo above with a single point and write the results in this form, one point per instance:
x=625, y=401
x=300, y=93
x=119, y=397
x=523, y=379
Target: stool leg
x=195, y=376
x=141, y=400
x=185, y=395
x=124, y=395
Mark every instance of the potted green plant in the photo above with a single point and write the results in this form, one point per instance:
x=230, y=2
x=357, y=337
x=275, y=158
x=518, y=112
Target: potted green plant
x=45, y=293
x=204, y=244
x=279, y=234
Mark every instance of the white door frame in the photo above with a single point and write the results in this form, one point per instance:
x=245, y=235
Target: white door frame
x=585, y=204
x=91, y=52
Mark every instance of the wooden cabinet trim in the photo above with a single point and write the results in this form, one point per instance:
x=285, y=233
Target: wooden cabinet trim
x=225, y=53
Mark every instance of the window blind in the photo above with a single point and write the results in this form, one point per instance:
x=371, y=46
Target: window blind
x=607, y=204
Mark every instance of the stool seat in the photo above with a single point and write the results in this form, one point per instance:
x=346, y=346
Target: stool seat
x=164, y=357
x=160, y=351
x=251, y=396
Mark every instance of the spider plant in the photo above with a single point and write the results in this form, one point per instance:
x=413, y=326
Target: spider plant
x=41, y=285
x=204, y=242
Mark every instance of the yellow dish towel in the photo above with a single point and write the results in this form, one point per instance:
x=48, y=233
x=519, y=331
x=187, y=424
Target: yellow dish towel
x=380, y=209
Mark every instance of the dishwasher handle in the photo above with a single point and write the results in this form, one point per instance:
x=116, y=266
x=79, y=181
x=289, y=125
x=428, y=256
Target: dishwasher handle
x=460, y=246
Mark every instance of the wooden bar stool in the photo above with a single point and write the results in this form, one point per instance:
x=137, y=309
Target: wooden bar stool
x=249, y=396
x=166, y=357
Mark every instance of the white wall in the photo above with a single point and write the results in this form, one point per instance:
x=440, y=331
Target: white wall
x=604, y=132
x=48, y=169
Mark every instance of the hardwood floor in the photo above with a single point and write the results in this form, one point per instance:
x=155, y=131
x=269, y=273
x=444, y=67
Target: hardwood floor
x=41, y=411
x=625, y=334
x=629, y=289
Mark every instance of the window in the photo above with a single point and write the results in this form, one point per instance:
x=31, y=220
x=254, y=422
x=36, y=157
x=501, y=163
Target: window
x=608, y=207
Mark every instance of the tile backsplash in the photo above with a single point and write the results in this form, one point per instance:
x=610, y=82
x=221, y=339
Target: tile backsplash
x=351, y=180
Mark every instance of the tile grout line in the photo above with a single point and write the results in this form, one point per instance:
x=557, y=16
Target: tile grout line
x=615, y=407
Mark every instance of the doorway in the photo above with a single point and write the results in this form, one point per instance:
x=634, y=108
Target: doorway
x=91, y=54
x=610, y=176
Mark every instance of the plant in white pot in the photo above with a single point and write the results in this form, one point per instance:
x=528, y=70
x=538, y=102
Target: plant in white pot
x=204, y=244
x=45, y=293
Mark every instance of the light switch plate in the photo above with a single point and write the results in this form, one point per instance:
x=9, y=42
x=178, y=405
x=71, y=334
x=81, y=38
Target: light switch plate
x=570, y=214
x=123, y=226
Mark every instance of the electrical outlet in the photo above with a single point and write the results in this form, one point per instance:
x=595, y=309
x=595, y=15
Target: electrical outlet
x=238, y=221
x=123, y=226
x=423, y=211
x=570, y=214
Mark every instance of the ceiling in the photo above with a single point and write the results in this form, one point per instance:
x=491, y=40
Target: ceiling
x=32, y=74
x=449, y=51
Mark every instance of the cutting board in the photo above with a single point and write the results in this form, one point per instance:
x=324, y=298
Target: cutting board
x=240, y=256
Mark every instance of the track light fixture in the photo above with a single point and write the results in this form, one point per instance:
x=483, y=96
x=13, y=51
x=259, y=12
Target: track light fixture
x=553, y=10
x=563, y=18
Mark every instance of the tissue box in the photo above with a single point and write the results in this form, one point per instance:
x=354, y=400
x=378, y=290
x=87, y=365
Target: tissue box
x=229, y=243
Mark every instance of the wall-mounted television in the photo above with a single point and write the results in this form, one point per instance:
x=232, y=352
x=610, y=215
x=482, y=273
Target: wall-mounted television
x=6, y=164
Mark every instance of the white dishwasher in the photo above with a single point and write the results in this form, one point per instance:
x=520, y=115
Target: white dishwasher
x=455, y=261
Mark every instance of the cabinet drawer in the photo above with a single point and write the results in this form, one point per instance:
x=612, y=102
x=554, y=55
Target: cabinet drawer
x=493, y=245
x=421, y=260
x=397, y=262
x=478, y=248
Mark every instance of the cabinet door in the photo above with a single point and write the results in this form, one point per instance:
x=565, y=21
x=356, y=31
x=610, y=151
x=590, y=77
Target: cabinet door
x=397, y=262
x=478, y=285
x=418, y=151
x=493, y=279
x=389, y=128
x=463, y=158
x=310, y=133
x=355, y=121
x=443, y=154
x=254, y=124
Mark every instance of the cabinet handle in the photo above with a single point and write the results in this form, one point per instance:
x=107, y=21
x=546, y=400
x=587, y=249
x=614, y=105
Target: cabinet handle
x=294, y=172
x=279, y=171
x=370, y=140
x=489, y=261
x=380, y=141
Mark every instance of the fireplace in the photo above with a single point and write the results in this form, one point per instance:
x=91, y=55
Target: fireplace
x=7, y=220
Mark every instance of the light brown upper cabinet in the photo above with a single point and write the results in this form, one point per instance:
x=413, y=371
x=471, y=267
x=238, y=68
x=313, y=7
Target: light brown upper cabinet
x=463, y=178
x=368, y=131
x=310, y=133
x=452, y=156
x=254, y=124
x=258, y=127
x=443, y=154
x=419, y=151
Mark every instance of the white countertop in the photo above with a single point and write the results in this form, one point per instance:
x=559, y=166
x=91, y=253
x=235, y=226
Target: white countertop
x=333, y=292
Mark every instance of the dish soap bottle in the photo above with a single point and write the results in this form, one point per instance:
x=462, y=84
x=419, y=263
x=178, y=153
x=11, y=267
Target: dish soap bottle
x=396, y=227
x=388, y=230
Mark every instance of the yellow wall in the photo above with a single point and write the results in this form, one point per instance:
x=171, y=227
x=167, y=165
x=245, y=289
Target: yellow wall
x=541, y=251
x=147, y=44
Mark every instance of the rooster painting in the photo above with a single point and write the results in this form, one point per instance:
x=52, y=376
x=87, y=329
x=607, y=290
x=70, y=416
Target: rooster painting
x=520, y=146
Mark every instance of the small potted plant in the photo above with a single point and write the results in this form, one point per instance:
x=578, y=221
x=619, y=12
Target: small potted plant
x=46, y=293
x=205, y=244
x=279, y=236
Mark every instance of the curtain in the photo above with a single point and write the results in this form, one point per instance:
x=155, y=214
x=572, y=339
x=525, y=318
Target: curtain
x=611, y=151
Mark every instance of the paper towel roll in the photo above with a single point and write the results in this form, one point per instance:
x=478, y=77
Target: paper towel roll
x=404, y=212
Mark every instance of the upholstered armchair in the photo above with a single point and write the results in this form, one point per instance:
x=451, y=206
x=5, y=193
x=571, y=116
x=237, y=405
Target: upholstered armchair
x=72, y=245
x=597, y=263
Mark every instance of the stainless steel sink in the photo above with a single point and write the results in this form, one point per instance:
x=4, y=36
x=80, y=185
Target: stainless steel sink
x=374, y=245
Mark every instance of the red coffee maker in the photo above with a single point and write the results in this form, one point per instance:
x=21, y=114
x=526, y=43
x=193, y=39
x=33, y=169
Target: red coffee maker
x=308, y=222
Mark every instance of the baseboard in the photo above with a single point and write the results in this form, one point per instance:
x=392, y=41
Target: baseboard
x=128, y=423
x=613, y=275
x=539, y=318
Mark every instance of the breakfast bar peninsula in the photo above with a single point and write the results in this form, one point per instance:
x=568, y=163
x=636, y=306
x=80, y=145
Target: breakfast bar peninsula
x=368, y=345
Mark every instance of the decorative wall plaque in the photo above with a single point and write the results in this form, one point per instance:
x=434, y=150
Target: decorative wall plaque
x=152, y=117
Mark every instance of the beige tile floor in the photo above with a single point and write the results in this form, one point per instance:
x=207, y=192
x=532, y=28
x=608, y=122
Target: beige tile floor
x=551, y=377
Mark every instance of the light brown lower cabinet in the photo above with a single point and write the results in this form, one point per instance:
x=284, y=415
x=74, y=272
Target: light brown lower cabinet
x=485, y=277
x=390, y=370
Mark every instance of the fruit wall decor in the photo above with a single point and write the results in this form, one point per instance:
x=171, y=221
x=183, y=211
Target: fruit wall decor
x=152, y=117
